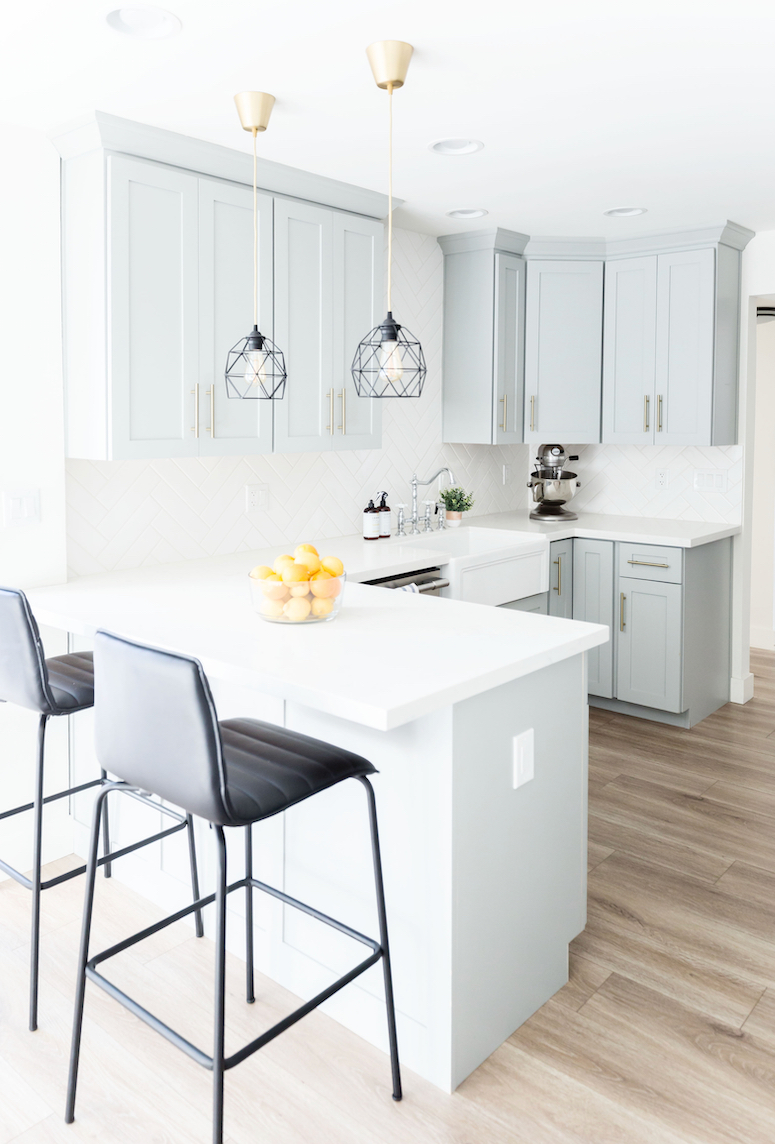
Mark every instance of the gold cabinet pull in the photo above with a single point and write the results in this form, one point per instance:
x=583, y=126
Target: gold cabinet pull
x=558, y=562
x=211, y=394
x=343, y=426
x=648, y=563
x=622, y=624
x=195, y=426
x=505, y=400
x=659, y=413
x=330, y=426
x=646, y=401
x=532, y=412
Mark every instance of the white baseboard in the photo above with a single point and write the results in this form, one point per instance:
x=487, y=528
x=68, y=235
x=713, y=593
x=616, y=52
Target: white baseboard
x=741, y=689
x=763, y=638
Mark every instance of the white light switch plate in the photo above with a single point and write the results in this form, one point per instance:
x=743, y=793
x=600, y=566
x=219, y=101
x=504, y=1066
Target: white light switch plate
x=523, y=758
x=256, y=497
x=21, y=507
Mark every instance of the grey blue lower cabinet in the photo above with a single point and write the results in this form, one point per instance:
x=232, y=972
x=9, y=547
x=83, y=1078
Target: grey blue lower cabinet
x=561, y=579
x=593, y=601
x=649, y=644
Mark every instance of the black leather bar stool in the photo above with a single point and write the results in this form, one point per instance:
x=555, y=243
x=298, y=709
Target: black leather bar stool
x=157, y=728
x=62, y=685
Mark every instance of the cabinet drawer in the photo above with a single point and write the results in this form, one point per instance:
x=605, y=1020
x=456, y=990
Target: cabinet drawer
x=651, y=562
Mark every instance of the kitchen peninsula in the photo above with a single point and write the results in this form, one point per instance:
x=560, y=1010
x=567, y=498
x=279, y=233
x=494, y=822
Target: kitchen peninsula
x=485, y=867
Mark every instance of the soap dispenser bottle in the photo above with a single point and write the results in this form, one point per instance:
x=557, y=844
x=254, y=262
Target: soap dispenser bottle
x=384, y=517
x=371, y=522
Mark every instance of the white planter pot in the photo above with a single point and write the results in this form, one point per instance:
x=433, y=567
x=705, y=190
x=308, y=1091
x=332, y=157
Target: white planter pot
x=454, y=519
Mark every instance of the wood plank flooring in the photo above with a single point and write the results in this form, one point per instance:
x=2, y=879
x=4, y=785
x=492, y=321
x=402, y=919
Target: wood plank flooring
x=665, y=1033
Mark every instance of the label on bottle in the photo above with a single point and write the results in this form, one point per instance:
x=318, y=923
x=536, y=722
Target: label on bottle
x=371, y=525
x=385, y=522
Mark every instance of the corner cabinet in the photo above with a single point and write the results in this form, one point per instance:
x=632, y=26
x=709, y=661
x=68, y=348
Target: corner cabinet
x=671, y=348
x=158, y=286
x=483, y=356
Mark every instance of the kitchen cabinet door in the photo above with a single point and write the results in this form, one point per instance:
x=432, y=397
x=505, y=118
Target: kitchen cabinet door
x=685, y=347
x=629, y=351
x=153, y=243
x=229, y=426
x=649, y=644
x=561, y=579
x=563, y=346
x=358, y=308
x=593, y=601
x=305, y=420
x=508, y=355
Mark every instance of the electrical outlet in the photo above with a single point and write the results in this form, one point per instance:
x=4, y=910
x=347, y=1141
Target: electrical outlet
x=523, y=760
x=663, y=478
x=256, y=497
x=506, y=474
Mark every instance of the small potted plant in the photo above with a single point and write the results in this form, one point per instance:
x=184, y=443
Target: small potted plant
x=456, y=501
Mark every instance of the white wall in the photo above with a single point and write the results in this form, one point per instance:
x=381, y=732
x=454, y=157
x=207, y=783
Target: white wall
x=763, y=493
x=31, y=445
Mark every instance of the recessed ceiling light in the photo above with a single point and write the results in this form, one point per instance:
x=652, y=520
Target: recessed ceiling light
x=625, y=212
x=456, y=146
x=144, y=23
x=468, y=212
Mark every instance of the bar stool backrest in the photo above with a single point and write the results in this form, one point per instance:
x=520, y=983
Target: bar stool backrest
x=23, y=674
x=156, y=726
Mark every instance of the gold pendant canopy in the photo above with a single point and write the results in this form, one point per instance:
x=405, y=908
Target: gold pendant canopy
x=254, y=109
x=389, y=61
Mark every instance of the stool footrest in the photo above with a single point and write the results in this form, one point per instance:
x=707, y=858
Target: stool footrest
x=50, y=798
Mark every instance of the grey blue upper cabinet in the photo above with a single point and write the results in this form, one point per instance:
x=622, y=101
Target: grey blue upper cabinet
x=563, y=345
x=157, y=245
x=671, y=346
x=484, y=318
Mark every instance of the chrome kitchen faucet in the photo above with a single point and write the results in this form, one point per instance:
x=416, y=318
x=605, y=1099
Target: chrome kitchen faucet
x=414, y=520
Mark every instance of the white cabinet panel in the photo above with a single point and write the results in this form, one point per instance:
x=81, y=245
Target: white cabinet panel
x=563, y=346
x=305, y=418
x=153, y=304
x=593, y=601
x=508, y=377
x=357, y=276
x=230, y=426
x=629, y=349
x=649, y=644
x=685, y=347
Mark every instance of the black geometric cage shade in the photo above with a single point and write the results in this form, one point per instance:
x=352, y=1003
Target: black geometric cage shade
x=255, y=369
x=389, y=362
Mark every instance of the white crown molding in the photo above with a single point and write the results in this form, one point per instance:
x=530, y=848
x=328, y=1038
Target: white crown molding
x=508, y=241
x=565, y=248
x=100, y=131
x=726, y=234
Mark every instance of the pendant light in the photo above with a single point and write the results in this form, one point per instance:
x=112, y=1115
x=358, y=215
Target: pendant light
x=389, y=362
x=255, y=368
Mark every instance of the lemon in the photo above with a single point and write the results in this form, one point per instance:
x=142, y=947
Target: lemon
x=297, y=609
x=285, y=559
x=299, y=589
x=320, y=585
x=309, y=560
x=333, y=565
x=261, y=572
x=273, y=608
x=294, y=573
x=322, y=607
x=274, y=589
x=304, y=548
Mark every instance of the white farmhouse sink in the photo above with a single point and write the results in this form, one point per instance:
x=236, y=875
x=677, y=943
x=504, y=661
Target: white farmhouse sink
x=489, y=565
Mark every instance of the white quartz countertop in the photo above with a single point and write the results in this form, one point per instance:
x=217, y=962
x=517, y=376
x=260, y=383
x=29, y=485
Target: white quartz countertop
x=390, y=657
x=599, y=526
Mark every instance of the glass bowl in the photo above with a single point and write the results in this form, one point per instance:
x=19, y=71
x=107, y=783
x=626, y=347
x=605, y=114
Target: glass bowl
x=319, y=600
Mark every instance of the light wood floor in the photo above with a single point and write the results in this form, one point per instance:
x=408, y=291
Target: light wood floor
x=665, y=1033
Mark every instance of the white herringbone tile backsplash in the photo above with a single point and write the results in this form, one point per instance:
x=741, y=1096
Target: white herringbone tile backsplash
x=122, y=514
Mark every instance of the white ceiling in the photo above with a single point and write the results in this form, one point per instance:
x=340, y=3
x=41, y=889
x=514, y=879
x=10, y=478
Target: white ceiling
x=667, y=104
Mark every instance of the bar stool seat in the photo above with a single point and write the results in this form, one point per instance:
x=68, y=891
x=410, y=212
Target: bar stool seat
x=71, y=680
x=269, y=769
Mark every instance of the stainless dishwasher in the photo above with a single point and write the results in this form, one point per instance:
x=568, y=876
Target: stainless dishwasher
x=428, y=581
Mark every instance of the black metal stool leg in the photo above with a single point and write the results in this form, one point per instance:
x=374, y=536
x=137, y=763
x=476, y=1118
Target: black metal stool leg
x=220, y=989
x=194, y=874
x=108, y=867
x=36, y=865
x=249, y=983
x=80, y=994
x=383, y=938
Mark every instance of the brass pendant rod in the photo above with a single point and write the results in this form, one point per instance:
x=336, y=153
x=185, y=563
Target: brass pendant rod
x=390, y=199
x=255, y=234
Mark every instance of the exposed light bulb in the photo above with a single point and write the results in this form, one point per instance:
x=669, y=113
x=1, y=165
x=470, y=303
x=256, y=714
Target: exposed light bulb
x=256, y=367
x=391, y=366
